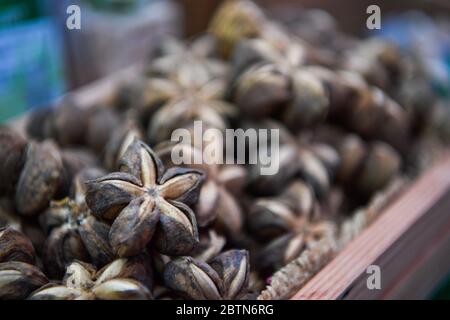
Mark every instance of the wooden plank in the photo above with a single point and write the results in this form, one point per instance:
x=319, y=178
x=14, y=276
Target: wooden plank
x=339, y=277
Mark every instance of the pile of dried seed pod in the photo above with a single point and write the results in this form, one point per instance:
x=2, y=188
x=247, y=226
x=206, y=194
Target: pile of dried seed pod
x=93, y=207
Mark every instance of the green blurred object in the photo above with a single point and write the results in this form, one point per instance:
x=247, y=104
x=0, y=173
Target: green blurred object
x=121, y=6
x=31, y=68
x=14, y=11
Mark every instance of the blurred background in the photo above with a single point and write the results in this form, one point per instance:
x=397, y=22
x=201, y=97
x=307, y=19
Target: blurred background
x=41, y=59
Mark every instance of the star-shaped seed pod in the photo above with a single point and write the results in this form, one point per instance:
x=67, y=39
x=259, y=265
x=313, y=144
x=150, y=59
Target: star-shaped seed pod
x=287, y=247
x=122, y=279
x=226, y=277
x=197, y=55
x=194, y=101
x=74, y=234
x=217, y=202
x=146, y=202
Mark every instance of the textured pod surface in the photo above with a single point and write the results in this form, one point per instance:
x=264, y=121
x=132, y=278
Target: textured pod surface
x=62, y=247
x=234, y=269
x=121, y=289
x=19, y=279
x=15, y=246
x=193, y=279
x=40, y=178
x=12, y=158
x=94, y=235
x=137, y=268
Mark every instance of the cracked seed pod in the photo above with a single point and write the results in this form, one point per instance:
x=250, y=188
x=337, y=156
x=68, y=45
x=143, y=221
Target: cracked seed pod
x=121, y=289
x=197, y=54
x=78, y=236
x=40, y=178
x=269, y=218
x=136, y=268
x=210, y=245
x=15, y=246
x=234, y=269
x=12, y=158
x=217, y=202
x=94, y=235
x=79, y=284
x=193, y=279
x=146, y=202
x=19, y=279
x=233, y=21
x=282, y=250
x=201, y=102
x=63, y=245
x=118, y=144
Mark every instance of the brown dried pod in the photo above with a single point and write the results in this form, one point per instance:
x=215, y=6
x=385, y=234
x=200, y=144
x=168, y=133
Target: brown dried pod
x=119, y=143
x=197, y=54
x=262, y=90
x=12, y=158
x=63, y=245
x=40, y=178
x=193, y=279
x=234, y=269
x=217, y=195
x=309, y=103
x=15, y=246
x=121, y=289
x=79, y=283
x=233, y=21
x=210, y=245
x=94, y=235
x=144, y=198
x=382, y=164
x=378, y=61
x=201, y=102
x=102, y=122
x=269, y=218
x=288, y=247
x=39, y=124
x=137, y=268
x=69, y=124
x=19, y=279
x=74, y=160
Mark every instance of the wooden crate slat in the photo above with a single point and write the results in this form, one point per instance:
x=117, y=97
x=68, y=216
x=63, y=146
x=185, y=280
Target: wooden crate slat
x=339, y=275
